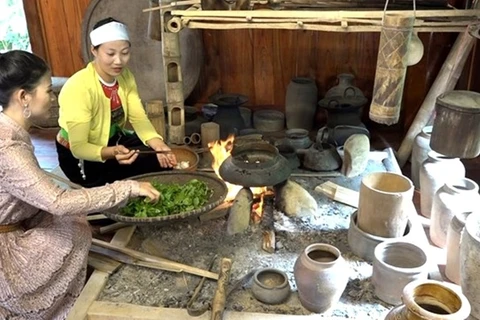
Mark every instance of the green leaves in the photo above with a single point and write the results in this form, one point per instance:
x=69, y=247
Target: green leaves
x=174, y=199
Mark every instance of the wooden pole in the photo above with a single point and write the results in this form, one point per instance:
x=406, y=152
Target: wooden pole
x=154, y=26
x=156, y=114
x=391, y=69
x=218, y=304
x=446, y=80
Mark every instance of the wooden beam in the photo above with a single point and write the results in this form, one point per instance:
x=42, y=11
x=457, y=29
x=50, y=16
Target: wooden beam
x=98, y=279
x=101, y=310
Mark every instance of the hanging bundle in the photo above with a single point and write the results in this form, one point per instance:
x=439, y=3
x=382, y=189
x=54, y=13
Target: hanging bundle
x=391, y=67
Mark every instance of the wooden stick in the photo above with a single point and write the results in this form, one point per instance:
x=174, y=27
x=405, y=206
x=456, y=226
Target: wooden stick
x=173, y=4
x=339, y=193
x=446, y=80
x=112, y=227
x=218, y=304
x=155, y=261
x=102, y=263
x=98, y=216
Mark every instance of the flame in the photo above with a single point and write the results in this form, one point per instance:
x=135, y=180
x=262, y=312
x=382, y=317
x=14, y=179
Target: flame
x=221, y=150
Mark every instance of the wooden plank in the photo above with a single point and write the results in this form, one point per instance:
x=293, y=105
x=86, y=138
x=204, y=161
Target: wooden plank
x=36, y=30
x=101, y=310
x=263, y=67
x=97, y=280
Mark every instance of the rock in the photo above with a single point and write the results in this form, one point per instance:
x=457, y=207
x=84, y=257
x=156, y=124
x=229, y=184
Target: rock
x=239, y=217
x=356, y=151
x=294, y=200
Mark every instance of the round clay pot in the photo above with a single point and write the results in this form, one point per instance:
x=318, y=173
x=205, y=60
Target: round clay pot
x=396, y=264
x=456, y=196
x=288, y=152
x=268, y=120
x=270, y=286
x=434, y=172
x=385, y=203
x=298, y=138
x=363, y=244
x=321, y=275
x=420, y=149
x=454, y=234
x=432, y=300
x=469, y=262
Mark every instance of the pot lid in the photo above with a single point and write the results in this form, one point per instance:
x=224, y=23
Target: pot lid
x=255, y=164
x=460, y=100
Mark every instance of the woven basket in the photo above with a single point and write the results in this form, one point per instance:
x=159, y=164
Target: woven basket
x=186, y=154
x=213, y=182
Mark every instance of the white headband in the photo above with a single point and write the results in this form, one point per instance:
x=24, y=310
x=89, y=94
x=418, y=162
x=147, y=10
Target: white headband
x=111, y=31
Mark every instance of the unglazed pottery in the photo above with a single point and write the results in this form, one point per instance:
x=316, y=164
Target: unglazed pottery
x=454, y=234
x=270, y=286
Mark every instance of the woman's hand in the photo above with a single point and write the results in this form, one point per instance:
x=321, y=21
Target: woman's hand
x=166, y=160
x=124, y=155
x=149, y=191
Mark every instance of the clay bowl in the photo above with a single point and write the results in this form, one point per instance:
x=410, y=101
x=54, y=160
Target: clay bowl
x=270, y=286
x=186, y=154
x=363, y=244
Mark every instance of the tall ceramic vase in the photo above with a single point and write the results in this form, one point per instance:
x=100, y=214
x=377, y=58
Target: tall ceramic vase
x=321, y=275
x=469, y=262
x=384, y=204
x=420, y=149
x=301, y=103
x=434, y=172
x=456, y=196
x=431, y=300
x=454, y=234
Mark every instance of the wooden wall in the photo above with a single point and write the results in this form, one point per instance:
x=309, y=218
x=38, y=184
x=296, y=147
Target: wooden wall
x=260, y=63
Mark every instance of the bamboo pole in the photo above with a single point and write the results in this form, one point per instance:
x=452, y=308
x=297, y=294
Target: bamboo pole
x=446, y=80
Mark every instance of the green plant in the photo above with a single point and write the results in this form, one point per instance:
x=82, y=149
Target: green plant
x=13, y=26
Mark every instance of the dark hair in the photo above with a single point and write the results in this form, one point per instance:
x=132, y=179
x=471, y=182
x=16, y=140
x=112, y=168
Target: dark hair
x=19, y=70
x=101, y=23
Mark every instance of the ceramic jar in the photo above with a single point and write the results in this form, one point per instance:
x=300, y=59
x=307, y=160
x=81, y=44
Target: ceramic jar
x=396, y=264
x=434, y=172
x=298, y=138
x=384, y=204
x=431, y=300
x=321, y=275
x=456, y=196
x=270, y=286
x=469, y=262
x=345, y=80
x=454, y=234
x=301, y=103
x=420, y=149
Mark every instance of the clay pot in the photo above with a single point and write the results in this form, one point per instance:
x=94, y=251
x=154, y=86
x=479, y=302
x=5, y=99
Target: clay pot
x=396, y=264
x=268, y=120
x=301, y=103
x=384, y=204
x=363, y=244
x=432, y=300
x=434, y=172
x=288, y=152
x=228, y=114
x=469, y=258
x=345, y=81
x=270, y=286
x=321, y=157
x=298, y=138
x=456, y=196
x=420, y=149
x=339, y=135
x=321, y=275
x=247, y=116
x=454, y=234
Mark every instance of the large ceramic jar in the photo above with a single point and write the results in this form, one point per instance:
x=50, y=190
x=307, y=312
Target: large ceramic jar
x=420, y=149
x=434, y=172
x=321, y=275
x=301, y=103
x=469, y=262
x=345, y=80
x=456, y=196
x=454, y=234
x=431, y=300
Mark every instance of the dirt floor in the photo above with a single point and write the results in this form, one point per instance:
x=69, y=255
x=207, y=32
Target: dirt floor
x=196, y=243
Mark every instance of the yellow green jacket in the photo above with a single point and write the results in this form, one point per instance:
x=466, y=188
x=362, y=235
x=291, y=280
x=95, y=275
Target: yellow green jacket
x=85, y=112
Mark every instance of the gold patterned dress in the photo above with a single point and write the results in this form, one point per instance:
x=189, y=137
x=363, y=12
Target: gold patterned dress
x=43, y=265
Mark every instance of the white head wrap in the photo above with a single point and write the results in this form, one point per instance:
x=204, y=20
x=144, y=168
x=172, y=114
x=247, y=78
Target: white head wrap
x=111, y=31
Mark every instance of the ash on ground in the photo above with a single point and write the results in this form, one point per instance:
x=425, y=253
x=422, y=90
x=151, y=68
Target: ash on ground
x=195, y=243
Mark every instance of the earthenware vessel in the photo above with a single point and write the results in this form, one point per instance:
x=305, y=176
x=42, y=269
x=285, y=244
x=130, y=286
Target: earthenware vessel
x=321, y=157
x=288, y=152
x=431, y=300
x=385, y=203
x=301, y=103
x=228, y=114
x=321, y=275
x=469, y=262
x=268, y=120
x=397, y=263
x=298, y=138
x=345, y=80
x=420, y=149
x=454, y=234
x=415, y=50
x=270, y=286
x=434, y=172
x=363, y=244
x=456, y=196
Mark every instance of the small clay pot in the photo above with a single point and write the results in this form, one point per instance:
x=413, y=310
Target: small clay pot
x=363, y=243
x=298, y=138
x=270, y=286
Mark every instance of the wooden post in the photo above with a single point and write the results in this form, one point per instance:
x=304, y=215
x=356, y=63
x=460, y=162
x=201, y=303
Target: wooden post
x=391, y=69
x=218, y=304
x=156, y=114
x=173, y=82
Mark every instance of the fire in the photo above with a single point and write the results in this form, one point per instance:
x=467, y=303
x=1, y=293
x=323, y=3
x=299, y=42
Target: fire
x=221, y=150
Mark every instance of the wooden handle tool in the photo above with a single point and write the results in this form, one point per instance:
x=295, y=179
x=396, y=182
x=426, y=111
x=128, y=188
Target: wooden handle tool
x=218, y=304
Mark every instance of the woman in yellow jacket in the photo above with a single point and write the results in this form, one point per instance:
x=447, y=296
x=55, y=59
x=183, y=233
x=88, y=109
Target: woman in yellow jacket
x=93, y=146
